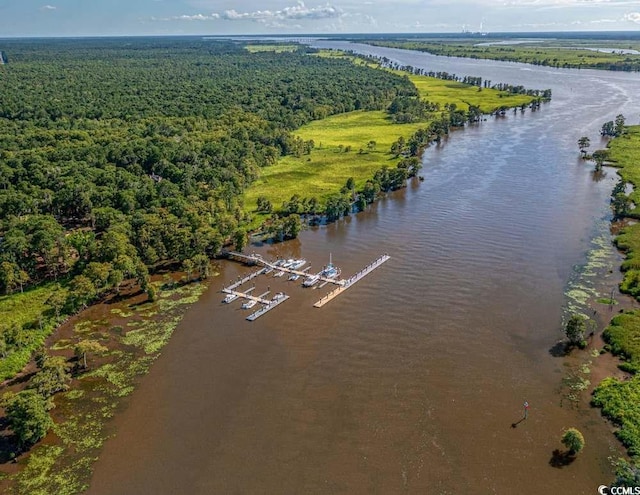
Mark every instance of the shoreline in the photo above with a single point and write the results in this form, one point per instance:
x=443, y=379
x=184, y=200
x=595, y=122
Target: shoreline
x=135, y=331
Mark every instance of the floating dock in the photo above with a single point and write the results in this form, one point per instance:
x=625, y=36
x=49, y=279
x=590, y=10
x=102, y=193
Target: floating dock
x=267, y=308
x=345, y=284
x=268, y=267
x=246, y=279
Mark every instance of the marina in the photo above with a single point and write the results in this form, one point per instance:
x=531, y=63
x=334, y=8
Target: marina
x=330, y=274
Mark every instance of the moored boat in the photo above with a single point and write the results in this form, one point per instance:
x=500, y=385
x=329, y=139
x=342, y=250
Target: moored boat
x=298, y=264
x=249, y=304
x=230, y=298
x=278, y=296
x=311, y=280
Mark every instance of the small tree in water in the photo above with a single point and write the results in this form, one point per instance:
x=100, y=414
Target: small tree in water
x=575, y=330
x=573, y=440
x=583, y=143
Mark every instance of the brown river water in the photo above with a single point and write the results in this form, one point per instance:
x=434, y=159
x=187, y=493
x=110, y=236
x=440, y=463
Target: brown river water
x=412, y=380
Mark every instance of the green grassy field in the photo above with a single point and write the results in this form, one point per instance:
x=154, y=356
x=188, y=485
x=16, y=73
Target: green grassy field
x=328, y=167
x=277, y=48
x=554, y=53
x=463, y=95
x=624, y=152
x=24, y=309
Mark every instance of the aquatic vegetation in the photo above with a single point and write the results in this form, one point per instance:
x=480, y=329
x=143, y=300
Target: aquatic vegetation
x=65, y=468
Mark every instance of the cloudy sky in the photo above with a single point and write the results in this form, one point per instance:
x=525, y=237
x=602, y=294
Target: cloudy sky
x=215, y=17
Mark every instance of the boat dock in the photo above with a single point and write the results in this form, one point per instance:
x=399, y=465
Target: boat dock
x=345, y=284
x=246, y=279
x=248, y=296
x=272, y=304
x=256, y=259
x=277, y=266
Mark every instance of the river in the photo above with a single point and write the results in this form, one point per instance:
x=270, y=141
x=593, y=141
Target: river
x=412, y=381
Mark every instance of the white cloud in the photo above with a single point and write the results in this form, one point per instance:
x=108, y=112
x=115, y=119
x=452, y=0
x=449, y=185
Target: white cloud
x=633, y=17
x=195, y=17
x=299, y=11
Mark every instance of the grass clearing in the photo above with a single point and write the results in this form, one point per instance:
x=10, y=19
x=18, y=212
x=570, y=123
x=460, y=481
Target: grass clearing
x=463, y=95
x=26, y=309
x=276, y=47
x=326, y=169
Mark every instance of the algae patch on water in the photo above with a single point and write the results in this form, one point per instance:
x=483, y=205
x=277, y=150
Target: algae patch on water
x=62, y=464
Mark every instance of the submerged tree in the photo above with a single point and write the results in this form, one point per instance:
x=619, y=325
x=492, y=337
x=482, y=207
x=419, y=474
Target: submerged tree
x=583, y=143
x=85, y=347
x=573, y=440
x=575, y=330
x=600, y=156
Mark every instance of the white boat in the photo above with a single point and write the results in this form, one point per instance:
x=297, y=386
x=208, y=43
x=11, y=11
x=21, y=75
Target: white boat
x=278, y=274
x=288, y=263
x=298, y=264
x=230, y=298
x=249, y=304
x=330, y=271
x=278, y=296
x=294, y=276
x=311, y=280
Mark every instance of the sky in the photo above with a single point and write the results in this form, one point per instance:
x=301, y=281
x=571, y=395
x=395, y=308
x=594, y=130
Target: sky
x=224, y=17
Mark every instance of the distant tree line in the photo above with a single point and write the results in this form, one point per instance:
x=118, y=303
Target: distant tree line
x=544, y=94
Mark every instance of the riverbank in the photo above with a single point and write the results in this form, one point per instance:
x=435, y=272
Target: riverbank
x=358, y=144
x=133, y=330
x=618, y=398
x=579, y=54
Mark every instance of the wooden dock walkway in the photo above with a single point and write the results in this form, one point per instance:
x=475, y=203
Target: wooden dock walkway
x=253, y=259
x=345, y=284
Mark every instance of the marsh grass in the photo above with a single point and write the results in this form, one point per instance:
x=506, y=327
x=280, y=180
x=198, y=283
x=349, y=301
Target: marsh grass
x=27, y=309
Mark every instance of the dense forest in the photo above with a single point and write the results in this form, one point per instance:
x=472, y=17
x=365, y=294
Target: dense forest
x=119, y=155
